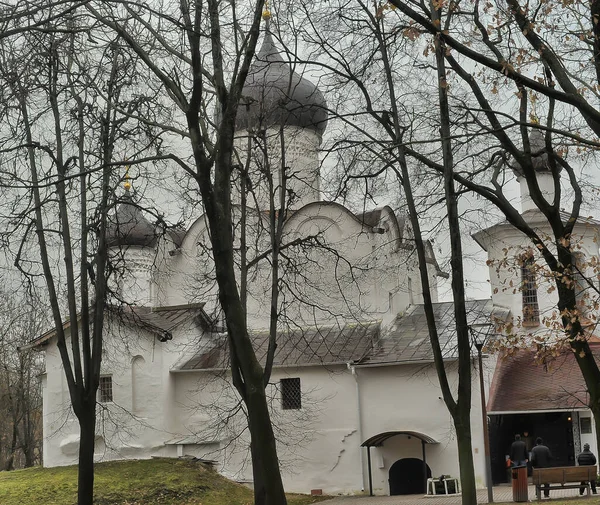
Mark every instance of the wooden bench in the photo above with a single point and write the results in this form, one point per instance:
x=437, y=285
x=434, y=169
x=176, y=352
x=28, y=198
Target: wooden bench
x=566, y=476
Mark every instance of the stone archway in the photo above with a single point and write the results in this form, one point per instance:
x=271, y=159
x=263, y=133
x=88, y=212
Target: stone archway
x=408, y=476
x=379, y=439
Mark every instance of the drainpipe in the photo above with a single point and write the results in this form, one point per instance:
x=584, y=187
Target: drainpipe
x=352, y=370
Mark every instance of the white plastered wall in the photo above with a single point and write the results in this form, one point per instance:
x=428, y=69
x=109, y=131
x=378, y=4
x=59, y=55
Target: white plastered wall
x=505, y=244
x=301, y=148
x=320, y=445
x=360, y=274
x=139, y=420
x=408, y=398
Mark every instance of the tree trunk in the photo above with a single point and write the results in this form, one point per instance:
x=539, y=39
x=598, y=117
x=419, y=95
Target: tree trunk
x=10, y=462
x=576, y=333
x=268, y=486
x=28, y=437
x=595, y=408
x=85, y=480
x=591, y=375
x=29, y=457
x=462, y=424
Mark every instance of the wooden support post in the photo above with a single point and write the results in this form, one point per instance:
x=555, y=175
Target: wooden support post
x=424, y=465
x=369, y=465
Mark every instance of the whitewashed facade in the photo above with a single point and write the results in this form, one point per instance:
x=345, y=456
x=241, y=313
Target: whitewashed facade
x=355, y=304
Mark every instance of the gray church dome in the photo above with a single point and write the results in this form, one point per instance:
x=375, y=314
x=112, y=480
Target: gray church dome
x=129, y=227
x=276, y=95
x=539, y=154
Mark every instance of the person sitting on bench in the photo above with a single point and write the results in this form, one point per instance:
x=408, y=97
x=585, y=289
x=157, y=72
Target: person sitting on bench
x=587, y=458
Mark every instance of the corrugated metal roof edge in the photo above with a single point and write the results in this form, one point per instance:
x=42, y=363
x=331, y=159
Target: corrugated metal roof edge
x=44, y=337
x=403, y=362
x=185, y=306
x=332, y=363
x=540, y=411
x=221, y=369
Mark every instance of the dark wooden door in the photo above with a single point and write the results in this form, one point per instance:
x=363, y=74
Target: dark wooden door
x=407, y=476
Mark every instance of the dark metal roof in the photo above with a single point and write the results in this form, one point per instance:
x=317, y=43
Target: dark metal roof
x=177, y=235
x=129, y=227
x=539, y=154
x=276, y=95
x=407, y=339
x=378, y=440
x=161, y=320
x=42, y=339
x=298, y=347
x=158, y=320
x=371, y=217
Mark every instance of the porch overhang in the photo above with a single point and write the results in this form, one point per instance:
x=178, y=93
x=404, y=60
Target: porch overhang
x=378, y=440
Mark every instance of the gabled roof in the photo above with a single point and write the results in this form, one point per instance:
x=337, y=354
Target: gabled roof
x=158, y=320
x=361, y=343
x=407, y=339
x=162, y=320
x=44, y=337
x=299, y=347
x=522, y=384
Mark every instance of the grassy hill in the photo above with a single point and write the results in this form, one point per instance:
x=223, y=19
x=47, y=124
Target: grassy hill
x=144, y=482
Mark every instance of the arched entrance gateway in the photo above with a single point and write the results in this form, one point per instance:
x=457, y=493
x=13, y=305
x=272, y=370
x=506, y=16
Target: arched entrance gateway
x=407, y=475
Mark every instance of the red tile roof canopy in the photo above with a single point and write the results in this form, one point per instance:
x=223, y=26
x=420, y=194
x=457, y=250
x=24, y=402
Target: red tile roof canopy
x=522, y=384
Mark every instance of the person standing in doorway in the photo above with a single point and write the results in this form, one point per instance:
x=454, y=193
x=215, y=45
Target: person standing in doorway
x=540, y=458
x=587, y=458
x=518, y=452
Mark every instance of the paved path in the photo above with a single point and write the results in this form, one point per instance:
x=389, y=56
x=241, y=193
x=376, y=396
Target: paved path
x=502, y=494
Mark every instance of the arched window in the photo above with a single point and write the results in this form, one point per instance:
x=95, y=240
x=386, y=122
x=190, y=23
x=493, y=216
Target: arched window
x=531, y=310
x=579, y=280
x=139, y=384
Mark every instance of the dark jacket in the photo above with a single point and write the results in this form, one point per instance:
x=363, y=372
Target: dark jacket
x=540, y=456
x=586, y=458
x=518, y=451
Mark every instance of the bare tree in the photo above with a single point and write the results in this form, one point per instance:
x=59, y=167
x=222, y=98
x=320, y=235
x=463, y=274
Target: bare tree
x=61, y=138
x=205, y=53
x=540, y=59
x=381, y=134
x=19, y=382
x=33, y=15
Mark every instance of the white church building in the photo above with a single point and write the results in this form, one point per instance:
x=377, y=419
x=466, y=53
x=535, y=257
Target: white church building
x=355, y=398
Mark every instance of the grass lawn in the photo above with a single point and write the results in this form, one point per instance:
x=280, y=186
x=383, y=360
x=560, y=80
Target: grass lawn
x=144, y=482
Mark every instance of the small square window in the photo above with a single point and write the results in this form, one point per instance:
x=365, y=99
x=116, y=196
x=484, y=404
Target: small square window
x=586, y=425
x=105, y=389
x=291, y=394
